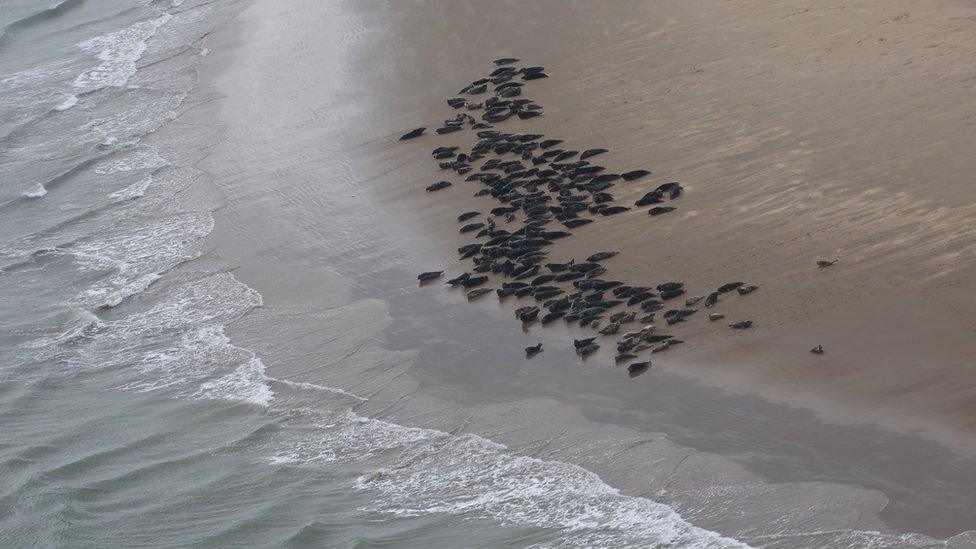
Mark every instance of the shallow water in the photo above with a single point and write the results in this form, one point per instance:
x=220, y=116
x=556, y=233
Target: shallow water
x=151, y=396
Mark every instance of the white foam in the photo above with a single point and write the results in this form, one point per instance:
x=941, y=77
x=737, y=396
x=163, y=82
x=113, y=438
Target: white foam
x=37, y=191
x=471, y=476
x=248, y=383
x=115, y=298
x=316, y=387
x=139, y=254
x=68, y=102
x=430, y=472
x=133, y=191
x=135, y=159
x=118, y=53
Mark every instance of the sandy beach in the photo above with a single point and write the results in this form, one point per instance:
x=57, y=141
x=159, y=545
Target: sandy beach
x=799, y=133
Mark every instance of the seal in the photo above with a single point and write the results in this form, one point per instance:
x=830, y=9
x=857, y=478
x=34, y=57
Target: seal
x=661, y=210
x=600, y=256
x=715, y=316
x=693, y=299
x=438, y=186
x=471, y=227
x=637, y=368
x=429, y=275
x=472, y=281
x=610, y=328
x=743, y=290
x=671, y=294
x=468, y=215
x=711, y=300
x=613, y=210
x=533, y=350
x=653, y=197
x=506, y=60
x=469, y=250
x=670, y=286
x=726, y=288
x=549, y=143
x=623, y=357
x=743, y=325
x=591, y=152
x=579, y=343
x=818, y=350
x=587, y=350
x=478, y=292
x=574, y=223
x=826, y=263
x=634, y=174
x=412, y=133
x=549, y=317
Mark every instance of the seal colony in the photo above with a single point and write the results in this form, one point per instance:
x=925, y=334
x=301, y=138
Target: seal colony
x=550, y=191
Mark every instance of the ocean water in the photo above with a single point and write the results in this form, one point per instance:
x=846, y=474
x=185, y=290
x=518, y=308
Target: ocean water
x=132, y=417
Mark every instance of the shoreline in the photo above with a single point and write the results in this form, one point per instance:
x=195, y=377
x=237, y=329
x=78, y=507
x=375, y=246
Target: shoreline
x=433, y=376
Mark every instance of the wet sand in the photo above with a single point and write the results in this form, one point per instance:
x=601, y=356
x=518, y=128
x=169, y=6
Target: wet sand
x=799, y=133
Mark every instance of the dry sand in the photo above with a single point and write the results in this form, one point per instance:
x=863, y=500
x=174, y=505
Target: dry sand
x=833, y=131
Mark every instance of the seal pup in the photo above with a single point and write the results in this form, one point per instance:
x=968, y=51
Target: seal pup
x=743, y=290
x=412, y=133
x=429, y=275
x=533, y=350
x=818, y=350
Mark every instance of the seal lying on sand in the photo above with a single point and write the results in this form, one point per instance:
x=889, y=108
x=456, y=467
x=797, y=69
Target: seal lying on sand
x=634, y=174
x=429, y=275
x=438, y=186
x=637, y=368
x=412, y=133
x=533, y=350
